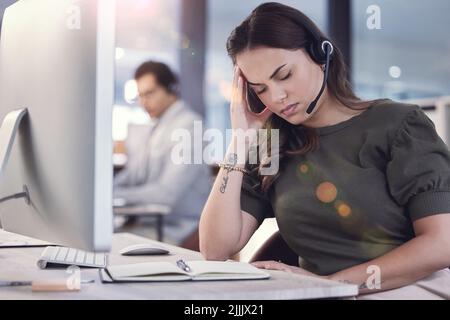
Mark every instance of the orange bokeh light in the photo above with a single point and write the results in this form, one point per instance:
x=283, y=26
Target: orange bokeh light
x=326, y=192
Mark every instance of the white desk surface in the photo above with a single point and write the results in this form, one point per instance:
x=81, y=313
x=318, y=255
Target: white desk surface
x=20, y=264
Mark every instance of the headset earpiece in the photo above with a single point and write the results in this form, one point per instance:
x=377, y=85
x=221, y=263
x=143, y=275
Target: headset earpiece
x=318, y=51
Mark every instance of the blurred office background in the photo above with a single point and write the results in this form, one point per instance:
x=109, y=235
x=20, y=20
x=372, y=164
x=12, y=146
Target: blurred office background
x=407, y=58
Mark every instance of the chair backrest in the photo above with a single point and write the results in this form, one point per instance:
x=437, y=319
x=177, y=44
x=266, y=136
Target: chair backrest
x=192, y=242
x=275, y=248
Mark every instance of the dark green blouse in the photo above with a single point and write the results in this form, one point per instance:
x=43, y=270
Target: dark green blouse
x=355, y=197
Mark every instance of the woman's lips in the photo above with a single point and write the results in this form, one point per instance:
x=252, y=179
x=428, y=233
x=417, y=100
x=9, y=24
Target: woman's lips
x=290, y=110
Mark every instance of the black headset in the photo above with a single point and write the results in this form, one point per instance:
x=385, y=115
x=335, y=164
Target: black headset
x=321, y=51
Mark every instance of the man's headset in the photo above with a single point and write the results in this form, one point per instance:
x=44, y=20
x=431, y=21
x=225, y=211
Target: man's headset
x=320, y=50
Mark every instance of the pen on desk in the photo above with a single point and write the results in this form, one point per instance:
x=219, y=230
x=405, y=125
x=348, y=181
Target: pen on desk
x=183, y=265
x=34, y=283
x=15, y=283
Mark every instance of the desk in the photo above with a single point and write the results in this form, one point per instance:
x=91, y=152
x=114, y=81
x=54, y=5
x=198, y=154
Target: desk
x=20, y=264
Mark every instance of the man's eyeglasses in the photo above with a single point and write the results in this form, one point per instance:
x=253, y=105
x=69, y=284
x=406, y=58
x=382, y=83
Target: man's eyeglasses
x=146, y=95
x=142, y=96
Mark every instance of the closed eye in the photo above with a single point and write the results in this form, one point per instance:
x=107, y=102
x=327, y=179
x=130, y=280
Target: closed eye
x=282, y=79
x=261, y=91
x=287, y=77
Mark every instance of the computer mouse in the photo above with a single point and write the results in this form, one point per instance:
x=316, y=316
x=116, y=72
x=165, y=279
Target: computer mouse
x=143, y=250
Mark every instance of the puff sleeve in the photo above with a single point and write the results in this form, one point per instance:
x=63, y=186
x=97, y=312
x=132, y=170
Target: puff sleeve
x=418, y=172
x=253, y=199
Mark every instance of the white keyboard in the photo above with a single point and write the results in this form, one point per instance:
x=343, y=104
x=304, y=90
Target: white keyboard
x=63, y=256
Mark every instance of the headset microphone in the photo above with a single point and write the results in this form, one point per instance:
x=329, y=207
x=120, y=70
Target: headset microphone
x=327, y=48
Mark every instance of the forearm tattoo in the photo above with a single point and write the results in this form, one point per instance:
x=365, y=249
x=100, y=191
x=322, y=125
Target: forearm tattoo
x=232, y=161
x=225, y=178
x=362, y=286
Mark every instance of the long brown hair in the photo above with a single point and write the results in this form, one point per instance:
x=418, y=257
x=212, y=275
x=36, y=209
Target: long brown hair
x=279, y=26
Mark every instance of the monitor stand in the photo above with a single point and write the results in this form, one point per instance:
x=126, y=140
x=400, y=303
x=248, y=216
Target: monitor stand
x=8, y=132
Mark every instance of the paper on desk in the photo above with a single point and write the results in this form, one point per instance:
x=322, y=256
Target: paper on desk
x=13, y=240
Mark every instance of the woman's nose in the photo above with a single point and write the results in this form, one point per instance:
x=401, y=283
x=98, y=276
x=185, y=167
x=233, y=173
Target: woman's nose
x=279, y=95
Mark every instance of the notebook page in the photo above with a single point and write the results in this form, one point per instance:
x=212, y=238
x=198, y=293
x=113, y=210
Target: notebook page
x=223, y=267
x=144, y=269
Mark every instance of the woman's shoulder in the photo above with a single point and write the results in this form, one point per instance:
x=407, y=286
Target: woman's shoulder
x=389, y=114
x=394, y=121
x=393, y=110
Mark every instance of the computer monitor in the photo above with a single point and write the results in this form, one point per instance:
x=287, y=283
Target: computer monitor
x=57, y=62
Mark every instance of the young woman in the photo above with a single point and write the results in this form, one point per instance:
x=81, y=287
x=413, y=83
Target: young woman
x=363, y=186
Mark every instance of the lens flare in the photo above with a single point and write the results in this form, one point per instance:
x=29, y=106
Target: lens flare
x=343, y=209
x=304, y=168
x=326, y=192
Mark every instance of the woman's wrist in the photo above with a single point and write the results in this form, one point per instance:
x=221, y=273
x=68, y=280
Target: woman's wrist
x=238, y=148
x=235, y=156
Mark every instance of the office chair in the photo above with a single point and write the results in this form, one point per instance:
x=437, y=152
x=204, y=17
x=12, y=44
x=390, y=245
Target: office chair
x=276, y=249
x=192, y=242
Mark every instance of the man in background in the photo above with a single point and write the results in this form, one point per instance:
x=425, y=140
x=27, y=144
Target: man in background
x=150, y=176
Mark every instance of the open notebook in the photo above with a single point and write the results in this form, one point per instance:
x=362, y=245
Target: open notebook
x=191, y=270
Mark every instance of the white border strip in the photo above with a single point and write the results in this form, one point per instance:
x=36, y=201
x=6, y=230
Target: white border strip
x=106, y=13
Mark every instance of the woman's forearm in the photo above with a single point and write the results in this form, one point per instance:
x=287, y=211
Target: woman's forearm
x=221, y=219
x=402, y=266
